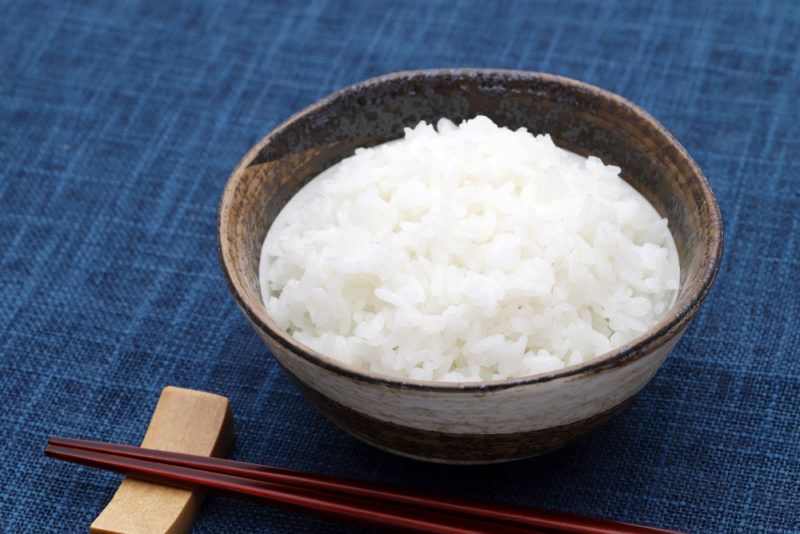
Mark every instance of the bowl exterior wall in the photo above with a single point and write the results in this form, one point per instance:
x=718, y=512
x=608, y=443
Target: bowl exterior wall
x=494, y=425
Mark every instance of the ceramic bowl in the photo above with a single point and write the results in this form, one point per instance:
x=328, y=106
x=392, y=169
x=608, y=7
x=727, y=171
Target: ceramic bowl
x=472, y=422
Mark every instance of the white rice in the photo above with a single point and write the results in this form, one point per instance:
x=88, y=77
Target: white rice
x=467, y=253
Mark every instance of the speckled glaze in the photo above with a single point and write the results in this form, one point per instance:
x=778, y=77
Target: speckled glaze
x=493, y=421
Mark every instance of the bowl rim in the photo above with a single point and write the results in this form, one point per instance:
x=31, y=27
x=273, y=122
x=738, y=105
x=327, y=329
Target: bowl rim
x=681, y=312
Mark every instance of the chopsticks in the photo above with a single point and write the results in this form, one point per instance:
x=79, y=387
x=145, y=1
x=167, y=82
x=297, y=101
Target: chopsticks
x=363, y=503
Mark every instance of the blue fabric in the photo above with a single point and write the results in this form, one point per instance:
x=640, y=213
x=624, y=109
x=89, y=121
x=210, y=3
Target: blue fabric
x=119, y=123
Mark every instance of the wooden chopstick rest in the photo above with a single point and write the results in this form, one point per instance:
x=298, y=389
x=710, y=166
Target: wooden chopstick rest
x=184, y=420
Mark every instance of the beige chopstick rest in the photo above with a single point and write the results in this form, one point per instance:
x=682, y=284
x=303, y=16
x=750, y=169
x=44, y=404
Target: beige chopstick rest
x=184, y=420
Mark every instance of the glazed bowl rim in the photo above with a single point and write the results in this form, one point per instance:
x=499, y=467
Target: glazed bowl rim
x=676, y=319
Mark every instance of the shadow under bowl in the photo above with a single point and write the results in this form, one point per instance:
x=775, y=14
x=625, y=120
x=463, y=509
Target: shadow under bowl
x=472, y=422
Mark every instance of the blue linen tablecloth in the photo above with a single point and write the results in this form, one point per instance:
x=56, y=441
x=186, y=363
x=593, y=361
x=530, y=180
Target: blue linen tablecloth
x=119, y=123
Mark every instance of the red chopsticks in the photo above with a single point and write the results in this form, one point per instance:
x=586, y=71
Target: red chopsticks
x=349, y=500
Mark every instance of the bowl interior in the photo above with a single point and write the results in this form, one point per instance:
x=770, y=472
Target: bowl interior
x=579, y=117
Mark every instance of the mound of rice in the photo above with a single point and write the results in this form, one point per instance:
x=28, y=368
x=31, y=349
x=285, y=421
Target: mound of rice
x=467, y=253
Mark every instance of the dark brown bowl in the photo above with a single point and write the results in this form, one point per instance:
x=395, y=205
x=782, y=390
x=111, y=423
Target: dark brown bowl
x=472, y=422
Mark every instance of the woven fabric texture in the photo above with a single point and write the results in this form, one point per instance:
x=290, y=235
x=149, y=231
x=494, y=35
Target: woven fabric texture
x=120, y=122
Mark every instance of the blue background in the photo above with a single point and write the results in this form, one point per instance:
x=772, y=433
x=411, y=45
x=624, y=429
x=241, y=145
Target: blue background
x=119, y=124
